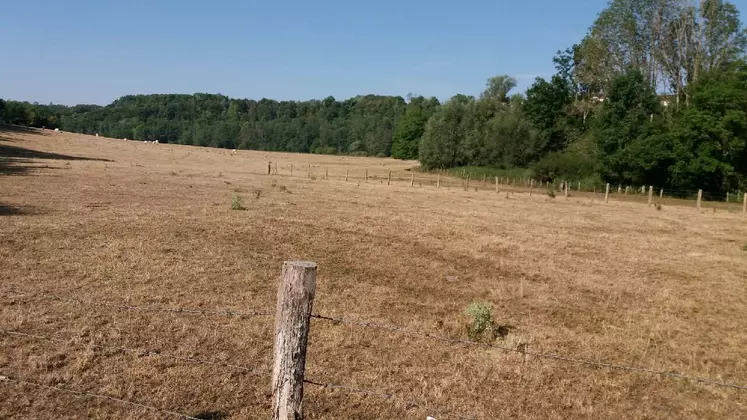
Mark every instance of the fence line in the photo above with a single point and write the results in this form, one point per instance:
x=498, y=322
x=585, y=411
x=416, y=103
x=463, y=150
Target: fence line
x=524, y=351
x=156, y=353
x=7, y=378
x=418, y=334
x=253, y=371
x=189, y=311
x=387, y=396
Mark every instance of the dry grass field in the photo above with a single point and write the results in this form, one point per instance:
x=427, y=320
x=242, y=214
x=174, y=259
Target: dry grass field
x=114, y=223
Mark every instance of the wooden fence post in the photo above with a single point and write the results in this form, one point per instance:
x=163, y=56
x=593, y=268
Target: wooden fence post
x=346, y=174
x=292, y=319
x=626, y=189
x=496, y=184
x=579, y=186
x=727, y=196
x=389, y=178
x=438, y=180
x=566, y=189
x=291, y=170
x=484, y=182
x=366, y=175
x=531, y=186
x=308, y=174
x=700, y=198
x=412, y=179
x=650, y=194
x=607, y=194
x=326, y=172
x=661, y=193
x=744, y=204
x=276, y=167
x=269, y=168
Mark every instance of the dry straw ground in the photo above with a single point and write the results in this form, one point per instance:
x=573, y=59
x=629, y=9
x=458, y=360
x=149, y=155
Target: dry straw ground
x=131, y=223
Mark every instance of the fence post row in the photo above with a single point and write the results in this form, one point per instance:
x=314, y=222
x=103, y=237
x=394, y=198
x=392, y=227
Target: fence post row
x=295, y=300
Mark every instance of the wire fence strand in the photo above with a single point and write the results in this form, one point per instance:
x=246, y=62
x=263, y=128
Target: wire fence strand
x=524, y=351
x=418, y=334
x=388, y=396
x=188, y=311
x=5, y=378
x=155, y=353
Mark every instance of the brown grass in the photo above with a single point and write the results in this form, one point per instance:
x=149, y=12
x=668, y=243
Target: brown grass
x=153, y=225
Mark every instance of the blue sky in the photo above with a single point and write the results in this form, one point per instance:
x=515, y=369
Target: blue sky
x=95, y=51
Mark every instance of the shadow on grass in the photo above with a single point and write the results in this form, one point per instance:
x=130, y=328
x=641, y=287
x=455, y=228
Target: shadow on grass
x=16, y=160
x=8, y=210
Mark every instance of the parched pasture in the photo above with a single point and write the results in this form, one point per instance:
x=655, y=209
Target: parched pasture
x=104, y=243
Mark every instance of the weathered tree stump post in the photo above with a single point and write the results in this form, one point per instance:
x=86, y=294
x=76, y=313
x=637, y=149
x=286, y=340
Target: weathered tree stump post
x=412, y=178
x=347, y=171
x=292, y=319
x=438, y=180
x=700, y=198
x=389, y=178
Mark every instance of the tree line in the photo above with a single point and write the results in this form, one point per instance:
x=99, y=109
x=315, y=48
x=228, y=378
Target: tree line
x=654, y=94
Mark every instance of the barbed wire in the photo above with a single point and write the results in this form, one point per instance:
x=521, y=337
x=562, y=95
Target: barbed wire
x=418, y=334
x=388, y=396
x=8, y=378
x=254, y=371
x=156, y=353
x=189, y=311
x=522, y=350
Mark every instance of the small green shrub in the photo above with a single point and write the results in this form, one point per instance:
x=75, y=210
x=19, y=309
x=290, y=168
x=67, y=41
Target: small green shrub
x=551, y=192
x=482, y=321
x=236, y=202
x=744, y=247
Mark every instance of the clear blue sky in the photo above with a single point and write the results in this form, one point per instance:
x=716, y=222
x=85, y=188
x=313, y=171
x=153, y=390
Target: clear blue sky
x=94, y=51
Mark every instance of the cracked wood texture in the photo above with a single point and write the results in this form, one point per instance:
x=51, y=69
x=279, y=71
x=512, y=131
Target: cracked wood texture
x=295, y=299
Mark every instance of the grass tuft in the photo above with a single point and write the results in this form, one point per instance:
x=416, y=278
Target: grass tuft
x=236, y=201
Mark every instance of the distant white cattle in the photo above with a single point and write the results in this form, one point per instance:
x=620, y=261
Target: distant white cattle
x=57, y=130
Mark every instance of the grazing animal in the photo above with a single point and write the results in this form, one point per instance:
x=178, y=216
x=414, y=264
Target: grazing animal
x=233, y=152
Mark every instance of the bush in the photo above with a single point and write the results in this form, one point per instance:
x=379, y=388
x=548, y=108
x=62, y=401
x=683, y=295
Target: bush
x=236, y=202
x=482, y=321
x=551, y=192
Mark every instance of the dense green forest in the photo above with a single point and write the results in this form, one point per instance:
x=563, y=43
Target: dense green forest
x=654, y=94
